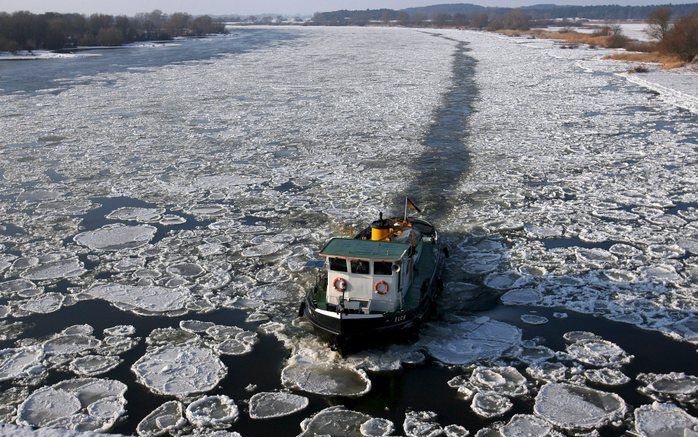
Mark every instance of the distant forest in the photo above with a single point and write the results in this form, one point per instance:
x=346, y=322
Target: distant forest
x=53, y=31
x=467, y=14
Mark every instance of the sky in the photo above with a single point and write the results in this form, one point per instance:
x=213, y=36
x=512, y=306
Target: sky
x=250, y=7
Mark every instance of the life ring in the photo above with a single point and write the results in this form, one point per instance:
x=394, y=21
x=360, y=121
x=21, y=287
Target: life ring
x=340, y=284
x=382, y=287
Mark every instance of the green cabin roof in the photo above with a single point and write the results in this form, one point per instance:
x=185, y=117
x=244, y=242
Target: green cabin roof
x=364, y=249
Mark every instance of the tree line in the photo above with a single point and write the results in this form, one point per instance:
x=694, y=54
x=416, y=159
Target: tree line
x=469, y=15
x=53, y=31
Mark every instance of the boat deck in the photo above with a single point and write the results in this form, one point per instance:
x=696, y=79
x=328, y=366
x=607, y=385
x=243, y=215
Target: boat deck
x=422, y=271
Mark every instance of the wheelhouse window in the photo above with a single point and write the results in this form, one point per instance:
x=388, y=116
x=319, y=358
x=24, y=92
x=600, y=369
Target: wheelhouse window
x=382, y=268
x=338, y=264
x=359, y=266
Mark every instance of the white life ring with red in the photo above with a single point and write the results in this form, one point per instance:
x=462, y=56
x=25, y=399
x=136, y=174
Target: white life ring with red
x=340, y=284
x=382, y=287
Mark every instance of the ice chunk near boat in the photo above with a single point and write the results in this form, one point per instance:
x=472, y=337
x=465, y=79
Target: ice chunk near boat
x=490, y=404
x=334, y=421
x=421, y=424
x=521, y=296
x=268, y=405
x=664, y=420
x=179, y=370
x=577, y=408
x=505, y=280
x=116, y=237
x=674, y=386
x=168, y=418
x=533, y=319
x=93, y=365
x=377, y=426
x=143, y=299
x=327, y=379
x=600, y=353
x=20, y=362
x=469, y=339
x=58, y=269
x=213, y=411
x=86, y=404
x=606, y=376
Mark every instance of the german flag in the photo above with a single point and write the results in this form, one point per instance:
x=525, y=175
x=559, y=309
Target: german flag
x=410, y=204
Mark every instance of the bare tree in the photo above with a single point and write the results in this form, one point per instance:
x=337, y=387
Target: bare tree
x=658, y=23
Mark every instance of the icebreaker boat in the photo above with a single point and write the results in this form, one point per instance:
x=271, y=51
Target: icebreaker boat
x=383, y=280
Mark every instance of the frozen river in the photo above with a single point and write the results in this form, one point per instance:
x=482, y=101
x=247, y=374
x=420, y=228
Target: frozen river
x=158, y=204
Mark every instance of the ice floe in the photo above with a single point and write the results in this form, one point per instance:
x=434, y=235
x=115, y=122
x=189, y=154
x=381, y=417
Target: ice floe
x=664, y=420
x=377, y=426
x=334, y=421
x=268, y=405
x=469, y=340
x=143, y=299
x=19, y=362
x=85, y=404
x=116, y=237
x=577, y=408
x=215, y=411
x=93, y=365
x=168, y=418
x=490, y=404
x=597, y=352
x=674, y=386
x=328, y=379
x=179, y=370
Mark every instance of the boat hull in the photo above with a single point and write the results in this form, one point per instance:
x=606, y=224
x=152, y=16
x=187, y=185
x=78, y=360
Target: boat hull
x=343, y=328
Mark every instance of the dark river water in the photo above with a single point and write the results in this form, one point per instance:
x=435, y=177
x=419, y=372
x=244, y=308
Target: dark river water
x=420, y=387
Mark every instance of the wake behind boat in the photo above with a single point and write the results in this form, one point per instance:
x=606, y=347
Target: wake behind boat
x=384, y=280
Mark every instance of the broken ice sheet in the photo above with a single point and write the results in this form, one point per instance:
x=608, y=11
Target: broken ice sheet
x=85, y=404
x=268, y=405
x=328, y=379
x=469, y=339
x=179, y=370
